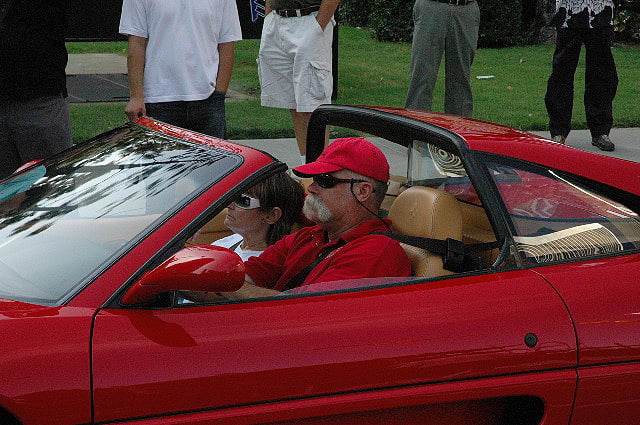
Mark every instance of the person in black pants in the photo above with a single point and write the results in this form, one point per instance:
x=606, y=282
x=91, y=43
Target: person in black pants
x=591, y=25
x=34, y=112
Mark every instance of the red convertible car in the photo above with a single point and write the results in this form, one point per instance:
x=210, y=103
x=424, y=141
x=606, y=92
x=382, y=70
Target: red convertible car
x=529, y=315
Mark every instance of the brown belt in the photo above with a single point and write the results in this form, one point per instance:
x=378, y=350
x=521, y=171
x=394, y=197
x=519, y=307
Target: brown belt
x=292, y=13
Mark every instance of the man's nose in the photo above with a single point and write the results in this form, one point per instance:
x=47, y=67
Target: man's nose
x=313, y=187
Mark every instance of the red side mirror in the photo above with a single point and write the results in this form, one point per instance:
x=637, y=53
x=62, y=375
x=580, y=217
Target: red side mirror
x=196, y=268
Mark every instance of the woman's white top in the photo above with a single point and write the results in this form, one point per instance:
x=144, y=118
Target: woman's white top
x=236, y=240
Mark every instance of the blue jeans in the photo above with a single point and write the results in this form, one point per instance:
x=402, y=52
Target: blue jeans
x=205, y=116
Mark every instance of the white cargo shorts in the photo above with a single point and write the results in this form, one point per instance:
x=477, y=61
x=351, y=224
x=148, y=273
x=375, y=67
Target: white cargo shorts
x=294, y=62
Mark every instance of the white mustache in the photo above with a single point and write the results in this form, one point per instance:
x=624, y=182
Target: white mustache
x=316, y=210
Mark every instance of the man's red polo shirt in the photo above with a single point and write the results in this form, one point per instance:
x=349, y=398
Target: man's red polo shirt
x=362, y=255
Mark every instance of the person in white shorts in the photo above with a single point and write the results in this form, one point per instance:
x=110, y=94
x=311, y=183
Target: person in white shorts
x=295, y=59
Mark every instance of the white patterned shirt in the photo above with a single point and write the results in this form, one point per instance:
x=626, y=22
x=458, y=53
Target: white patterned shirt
x=583, y=14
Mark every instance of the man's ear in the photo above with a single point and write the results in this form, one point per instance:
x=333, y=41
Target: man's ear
x=363, y=191
x=274, y=215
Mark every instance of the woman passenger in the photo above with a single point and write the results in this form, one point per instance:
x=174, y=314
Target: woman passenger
x=263, y=215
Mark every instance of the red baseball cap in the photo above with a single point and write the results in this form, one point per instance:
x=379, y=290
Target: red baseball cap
x=350, y=153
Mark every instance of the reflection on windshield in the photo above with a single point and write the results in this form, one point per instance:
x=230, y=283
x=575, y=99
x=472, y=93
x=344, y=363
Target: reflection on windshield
x=60, y=221
x=555, y=218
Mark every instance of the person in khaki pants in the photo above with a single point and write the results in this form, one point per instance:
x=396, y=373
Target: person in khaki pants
x=449, y=28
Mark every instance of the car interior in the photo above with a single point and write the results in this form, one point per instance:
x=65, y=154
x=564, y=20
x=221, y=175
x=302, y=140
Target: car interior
x=431, y=196
x=415, y=210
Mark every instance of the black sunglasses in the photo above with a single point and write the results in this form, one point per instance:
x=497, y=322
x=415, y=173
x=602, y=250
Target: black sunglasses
x=327, y=181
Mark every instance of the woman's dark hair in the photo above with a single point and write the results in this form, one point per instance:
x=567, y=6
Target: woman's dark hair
x=281, y=191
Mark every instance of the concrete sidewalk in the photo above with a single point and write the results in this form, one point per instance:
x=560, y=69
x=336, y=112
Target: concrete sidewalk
x=96, y=63
x=102, y=77
x=106, y=72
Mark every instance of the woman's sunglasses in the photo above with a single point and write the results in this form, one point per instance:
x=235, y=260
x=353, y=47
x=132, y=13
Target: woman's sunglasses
x=327, y=181
x=246, y=202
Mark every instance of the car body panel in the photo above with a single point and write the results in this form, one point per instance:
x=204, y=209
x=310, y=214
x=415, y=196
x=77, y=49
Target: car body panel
x=450, y=402
x=608, y=394
x=607, y=321
x=46, y=362
x=279, y=350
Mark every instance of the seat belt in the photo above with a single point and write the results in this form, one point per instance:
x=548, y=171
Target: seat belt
x=455, y=254
x=298, y=279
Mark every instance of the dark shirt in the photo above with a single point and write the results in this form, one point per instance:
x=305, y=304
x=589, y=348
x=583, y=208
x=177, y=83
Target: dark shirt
x=33, y=56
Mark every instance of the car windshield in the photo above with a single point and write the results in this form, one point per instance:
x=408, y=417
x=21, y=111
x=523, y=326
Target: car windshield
x=61, y=220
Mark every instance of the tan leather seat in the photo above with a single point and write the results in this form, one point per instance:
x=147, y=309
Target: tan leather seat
x=476, y=228
x=429, y=213
x=396, y=185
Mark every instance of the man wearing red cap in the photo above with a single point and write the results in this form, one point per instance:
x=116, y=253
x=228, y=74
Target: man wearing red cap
x=349, y=184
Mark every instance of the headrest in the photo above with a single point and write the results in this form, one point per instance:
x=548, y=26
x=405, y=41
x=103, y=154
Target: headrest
x=427, y=212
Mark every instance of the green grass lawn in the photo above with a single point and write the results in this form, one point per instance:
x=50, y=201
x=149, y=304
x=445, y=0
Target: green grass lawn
x=375, y=73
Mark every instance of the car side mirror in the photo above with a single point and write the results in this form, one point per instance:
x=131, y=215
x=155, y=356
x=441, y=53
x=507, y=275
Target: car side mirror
x=195, y=268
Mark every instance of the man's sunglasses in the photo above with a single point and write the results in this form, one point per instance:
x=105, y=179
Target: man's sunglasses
x=246, y=202
x=327, y=181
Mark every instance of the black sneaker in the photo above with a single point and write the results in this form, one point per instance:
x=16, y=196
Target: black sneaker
x=603, y=143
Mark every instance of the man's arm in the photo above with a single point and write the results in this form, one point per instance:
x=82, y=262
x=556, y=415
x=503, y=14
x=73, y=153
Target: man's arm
x=326, y=12
x=137, y=49
x=249, y=290
x=225, y=66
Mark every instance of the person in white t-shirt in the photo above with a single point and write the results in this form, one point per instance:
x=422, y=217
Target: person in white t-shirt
x=263, y=215
x=180, y=60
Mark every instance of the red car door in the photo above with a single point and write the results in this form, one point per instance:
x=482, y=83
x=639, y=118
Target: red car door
x=604, y=298
x=487, y=345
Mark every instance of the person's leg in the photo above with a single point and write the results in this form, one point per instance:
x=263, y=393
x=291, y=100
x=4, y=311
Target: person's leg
x=312, y=72
x=300, y=125
x=429, y=34
x=601, y=81
x=39, y=128
x=9, y=155
x=275, y=63
x=208, y=116
x=174, y=113
x=559, y=96
x=461, y=45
